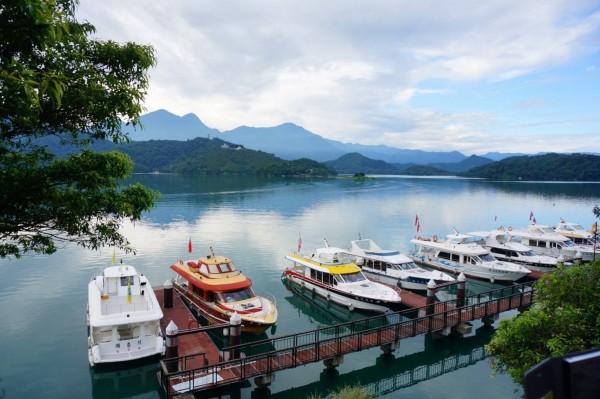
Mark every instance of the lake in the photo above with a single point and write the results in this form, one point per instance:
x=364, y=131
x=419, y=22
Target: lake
x=256, y=222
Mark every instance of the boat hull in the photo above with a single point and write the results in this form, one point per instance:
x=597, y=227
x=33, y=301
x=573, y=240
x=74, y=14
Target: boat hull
x=339, y=297
x=410, y=283
x=477, y=273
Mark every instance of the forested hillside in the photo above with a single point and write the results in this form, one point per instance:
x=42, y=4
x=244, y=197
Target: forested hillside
x=548, y=167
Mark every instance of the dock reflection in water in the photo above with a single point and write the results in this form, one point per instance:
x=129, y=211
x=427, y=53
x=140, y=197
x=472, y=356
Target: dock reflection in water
x=390, y=373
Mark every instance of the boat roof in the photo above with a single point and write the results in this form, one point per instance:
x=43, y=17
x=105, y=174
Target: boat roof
x=121, y=270
x=343, y=266
x=539, y=231
x=367, y=248
x=572, y=229
x=199, y=274
x=456, y=243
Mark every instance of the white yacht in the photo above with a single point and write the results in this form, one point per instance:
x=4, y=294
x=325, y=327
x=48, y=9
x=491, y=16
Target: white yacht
x=502, y=247
x=123, y=316
x=459, y=253
x=330, y=273
x=544, y=240
x=576, y=233
x=392, y=267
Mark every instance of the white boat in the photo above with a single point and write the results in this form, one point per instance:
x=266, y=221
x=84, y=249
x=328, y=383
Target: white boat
x=459, y=253
x=576, y=233
x=392, y=267
x=502, y=247
x=123, y=316
x=544, y=240
x=330, y=273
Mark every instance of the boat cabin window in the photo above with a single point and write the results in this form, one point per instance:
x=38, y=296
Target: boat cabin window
x=526, y=253
x=472, y=260
x=325, y=278
x=213, y=268
x=537, y=243
x=444, y=255
x=235, y=296
x=226, y=267
x=126, y=281
x=353, y=277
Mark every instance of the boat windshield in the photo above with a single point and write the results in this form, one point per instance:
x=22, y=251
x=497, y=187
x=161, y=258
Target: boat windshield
x=487, y=258
x=404, y=266
x=568, y=243
x=235, y=296
x=353, y=277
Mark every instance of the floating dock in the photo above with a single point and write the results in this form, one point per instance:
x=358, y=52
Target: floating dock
x=191, y=343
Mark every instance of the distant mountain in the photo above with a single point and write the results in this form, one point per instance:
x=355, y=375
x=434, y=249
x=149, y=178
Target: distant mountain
x=462, y=166
x=497, y=156
x=356, y=163
x=287, y=141
x=163, y=125
x=547, y=167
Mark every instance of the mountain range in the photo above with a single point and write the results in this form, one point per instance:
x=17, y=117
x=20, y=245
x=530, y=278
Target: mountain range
x=287, y=141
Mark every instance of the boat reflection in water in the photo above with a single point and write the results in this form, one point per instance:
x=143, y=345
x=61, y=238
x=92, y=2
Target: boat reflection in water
x=134, y=379
x=320, y=311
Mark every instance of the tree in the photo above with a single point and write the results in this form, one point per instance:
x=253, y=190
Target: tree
x=564, y=319
x=56, y=81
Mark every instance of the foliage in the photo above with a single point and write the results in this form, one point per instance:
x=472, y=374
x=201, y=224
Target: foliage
x=548, y=167
x=57, y=82
x=347, y=392
x=355, y=162
x=564, y=319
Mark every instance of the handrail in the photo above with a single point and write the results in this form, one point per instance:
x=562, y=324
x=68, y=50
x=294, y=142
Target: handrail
x=311, y=346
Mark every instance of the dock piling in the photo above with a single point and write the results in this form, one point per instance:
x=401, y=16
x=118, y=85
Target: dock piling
x=172, y=351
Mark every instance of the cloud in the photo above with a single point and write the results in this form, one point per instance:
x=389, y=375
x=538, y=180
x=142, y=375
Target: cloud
x=346, y=71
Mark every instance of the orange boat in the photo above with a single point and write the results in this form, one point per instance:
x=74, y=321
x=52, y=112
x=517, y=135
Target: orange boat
x=213, y=286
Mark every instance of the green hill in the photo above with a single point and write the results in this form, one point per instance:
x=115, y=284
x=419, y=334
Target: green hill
x=356, y=163
x=547, y=167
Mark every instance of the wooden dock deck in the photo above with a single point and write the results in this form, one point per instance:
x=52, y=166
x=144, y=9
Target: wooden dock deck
x=329, y=344
x=188, y=344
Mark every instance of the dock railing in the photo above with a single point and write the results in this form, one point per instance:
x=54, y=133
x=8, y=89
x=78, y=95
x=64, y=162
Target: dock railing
x=329, y=342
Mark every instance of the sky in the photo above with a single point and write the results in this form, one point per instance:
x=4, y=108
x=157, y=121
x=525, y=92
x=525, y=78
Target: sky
x=436, y=75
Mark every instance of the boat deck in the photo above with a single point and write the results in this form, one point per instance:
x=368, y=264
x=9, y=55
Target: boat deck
x=188, y=344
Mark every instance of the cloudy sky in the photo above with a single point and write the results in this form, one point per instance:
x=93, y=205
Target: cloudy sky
x=467, y=75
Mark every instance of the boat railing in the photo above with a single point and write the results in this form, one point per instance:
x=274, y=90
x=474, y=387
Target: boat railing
x=269, y=296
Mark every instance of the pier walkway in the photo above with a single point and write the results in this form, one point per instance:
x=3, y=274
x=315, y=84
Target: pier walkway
x=329, y=344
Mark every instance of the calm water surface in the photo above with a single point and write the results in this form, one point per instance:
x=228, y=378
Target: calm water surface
x=256, y=222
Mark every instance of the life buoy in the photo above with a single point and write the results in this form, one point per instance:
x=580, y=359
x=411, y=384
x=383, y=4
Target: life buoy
x=419, y=238
x=509, y=228
x=192, y=322
x=435, y=238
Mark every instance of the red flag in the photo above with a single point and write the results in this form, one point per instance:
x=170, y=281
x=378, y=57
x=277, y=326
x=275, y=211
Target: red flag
x=416, y=220
x=534, y=222
x=418, y=226
x=299, y=242
x=495, y=218
x=531, y=216
x=190, y=246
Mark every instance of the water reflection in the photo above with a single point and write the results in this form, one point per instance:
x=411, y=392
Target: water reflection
x=125, y=380
x=390, y=373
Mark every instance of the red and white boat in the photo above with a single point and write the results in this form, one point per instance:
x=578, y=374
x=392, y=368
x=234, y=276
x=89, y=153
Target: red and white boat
x=216, y=289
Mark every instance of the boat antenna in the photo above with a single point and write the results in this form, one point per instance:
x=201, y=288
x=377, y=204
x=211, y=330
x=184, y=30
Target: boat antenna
x=212, y=252
x=455, y=231
x=359, y=237
x=326, y=243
